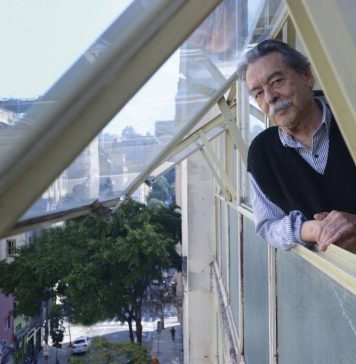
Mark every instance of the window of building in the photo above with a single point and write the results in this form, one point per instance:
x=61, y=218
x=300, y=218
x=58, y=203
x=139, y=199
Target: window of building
x=7, y=323
x=10, y=247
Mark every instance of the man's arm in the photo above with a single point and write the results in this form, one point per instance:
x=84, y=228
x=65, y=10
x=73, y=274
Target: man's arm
x=272, y=224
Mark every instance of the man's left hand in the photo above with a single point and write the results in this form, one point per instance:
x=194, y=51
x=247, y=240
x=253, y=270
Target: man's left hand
x=337, y=227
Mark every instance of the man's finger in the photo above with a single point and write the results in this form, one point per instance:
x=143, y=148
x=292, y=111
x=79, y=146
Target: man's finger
x=321, y=216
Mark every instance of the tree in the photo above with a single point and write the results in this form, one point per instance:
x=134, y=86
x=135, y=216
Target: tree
x=128, y=256
x=56, y=328
x=104, y=351
x=160, y=189
x=163, y=190
x=102, y=269
x=33, y=275
x=56, y=325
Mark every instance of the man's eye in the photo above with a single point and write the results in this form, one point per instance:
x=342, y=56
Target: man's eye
x=277, y=81
x=258, y=95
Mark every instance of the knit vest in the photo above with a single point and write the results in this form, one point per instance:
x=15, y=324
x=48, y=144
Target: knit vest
x=292, y=184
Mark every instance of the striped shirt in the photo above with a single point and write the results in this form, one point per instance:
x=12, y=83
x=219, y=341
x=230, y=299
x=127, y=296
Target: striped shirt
x=272, y=224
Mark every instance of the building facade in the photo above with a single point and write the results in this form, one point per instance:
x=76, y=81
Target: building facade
x=245, y=301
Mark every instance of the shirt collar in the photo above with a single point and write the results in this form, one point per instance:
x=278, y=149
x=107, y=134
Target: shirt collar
x=289, y=141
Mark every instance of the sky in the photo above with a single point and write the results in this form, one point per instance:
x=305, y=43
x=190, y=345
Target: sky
x=40, y=39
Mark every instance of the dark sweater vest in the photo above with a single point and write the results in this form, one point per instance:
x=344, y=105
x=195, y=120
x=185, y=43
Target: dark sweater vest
x=292, y=184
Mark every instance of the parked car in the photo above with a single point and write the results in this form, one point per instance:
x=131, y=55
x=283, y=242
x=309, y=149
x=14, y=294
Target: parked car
x=81, y=344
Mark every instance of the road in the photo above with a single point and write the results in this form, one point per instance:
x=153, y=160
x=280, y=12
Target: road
x=115, y=330
x=112, y=329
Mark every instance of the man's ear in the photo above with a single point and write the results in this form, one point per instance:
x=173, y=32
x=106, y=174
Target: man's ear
x=309, y=78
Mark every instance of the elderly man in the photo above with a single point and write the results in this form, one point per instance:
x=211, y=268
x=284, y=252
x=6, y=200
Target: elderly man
x=302, y=176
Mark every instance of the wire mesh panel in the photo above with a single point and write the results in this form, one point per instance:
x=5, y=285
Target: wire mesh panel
x=316, y=316
x=255, y=276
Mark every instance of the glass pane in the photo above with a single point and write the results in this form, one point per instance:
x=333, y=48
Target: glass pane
x=255, y=273
x=316, y=316
x=253, y=123
x=256, y=123
x=347, y=7
x=269, y=15
x=41, y=39
x=187, y=151
x=179, y=90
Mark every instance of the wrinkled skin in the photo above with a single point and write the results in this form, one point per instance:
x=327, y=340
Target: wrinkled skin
x=335, y=227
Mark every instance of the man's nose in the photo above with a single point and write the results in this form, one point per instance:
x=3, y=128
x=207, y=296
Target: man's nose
x=270, y=96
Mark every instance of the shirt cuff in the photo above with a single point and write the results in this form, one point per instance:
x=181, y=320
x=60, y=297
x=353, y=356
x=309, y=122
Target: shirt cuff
x=300, y=219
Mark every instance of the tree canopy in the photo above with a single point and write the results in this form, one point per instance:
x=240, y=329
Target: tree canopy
x=102, y=269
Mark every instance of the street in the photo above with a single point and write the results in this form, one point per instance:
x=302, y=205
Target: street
x=112, y=329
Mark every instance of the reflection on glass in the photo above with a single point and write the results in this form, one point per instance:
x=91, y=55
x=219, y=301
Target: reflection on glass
x=270, y=12
x=255, y=125
x=190, y=78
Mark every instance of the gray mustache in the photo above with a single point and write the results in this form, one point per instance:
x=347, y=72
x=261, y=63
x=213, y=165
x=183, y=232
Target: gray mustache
x=278, y=106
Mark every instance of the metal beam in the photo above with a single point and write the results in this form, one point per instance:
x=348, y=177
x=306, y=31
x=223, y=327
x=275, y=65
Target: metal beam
x=233, y=129
x=332, y=51
x=224, y=181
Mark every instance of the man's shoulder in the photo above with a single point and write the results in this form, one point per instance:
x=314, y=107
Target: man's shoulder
x=261, y=146
x=263, y=138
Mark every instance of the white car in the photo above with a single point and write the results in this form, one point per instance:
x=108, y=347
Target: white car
x=81, y=344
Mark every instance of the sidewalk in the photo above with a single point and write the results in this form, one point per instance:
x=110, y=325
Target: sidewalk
x=62, y=355
x=166, y=350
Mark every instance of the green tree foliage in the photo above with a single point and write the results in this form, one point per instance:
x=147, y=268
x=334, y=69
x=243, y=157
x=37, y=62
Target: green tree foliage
x=160, y=190
x=102, y=269
x=104, y=351
x=56, y=325
x=32, y=277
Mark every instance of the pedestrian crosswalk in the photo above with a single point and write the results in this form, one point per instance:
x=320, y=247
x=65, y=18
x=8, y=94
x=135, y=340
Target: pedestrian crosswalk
x=146, y=321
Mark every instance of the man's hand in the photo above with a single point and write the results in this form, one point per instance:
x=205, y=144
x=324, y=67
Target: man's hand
x=335, y=227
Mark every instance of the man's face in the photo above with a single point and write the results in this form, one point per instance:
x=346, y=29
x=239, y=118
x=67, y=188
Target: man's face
x=281, y=93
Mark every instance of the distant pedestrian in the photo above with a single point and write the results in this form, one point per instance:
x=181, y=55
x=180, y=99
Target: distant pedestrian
x=173, y=333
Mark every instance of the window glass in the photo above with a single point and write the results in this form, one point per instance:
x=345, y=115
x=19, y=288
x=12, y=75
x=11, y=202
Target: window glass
x=179, y=90
x=255, y=124
x=10, y=247
x=253, y=121
x=255, y=286
x=311, y=304
x=134, y=137
x=43, y=39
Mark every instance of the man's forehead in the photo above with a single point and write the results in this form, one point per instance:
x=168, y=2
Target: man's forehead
x=264, y=67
